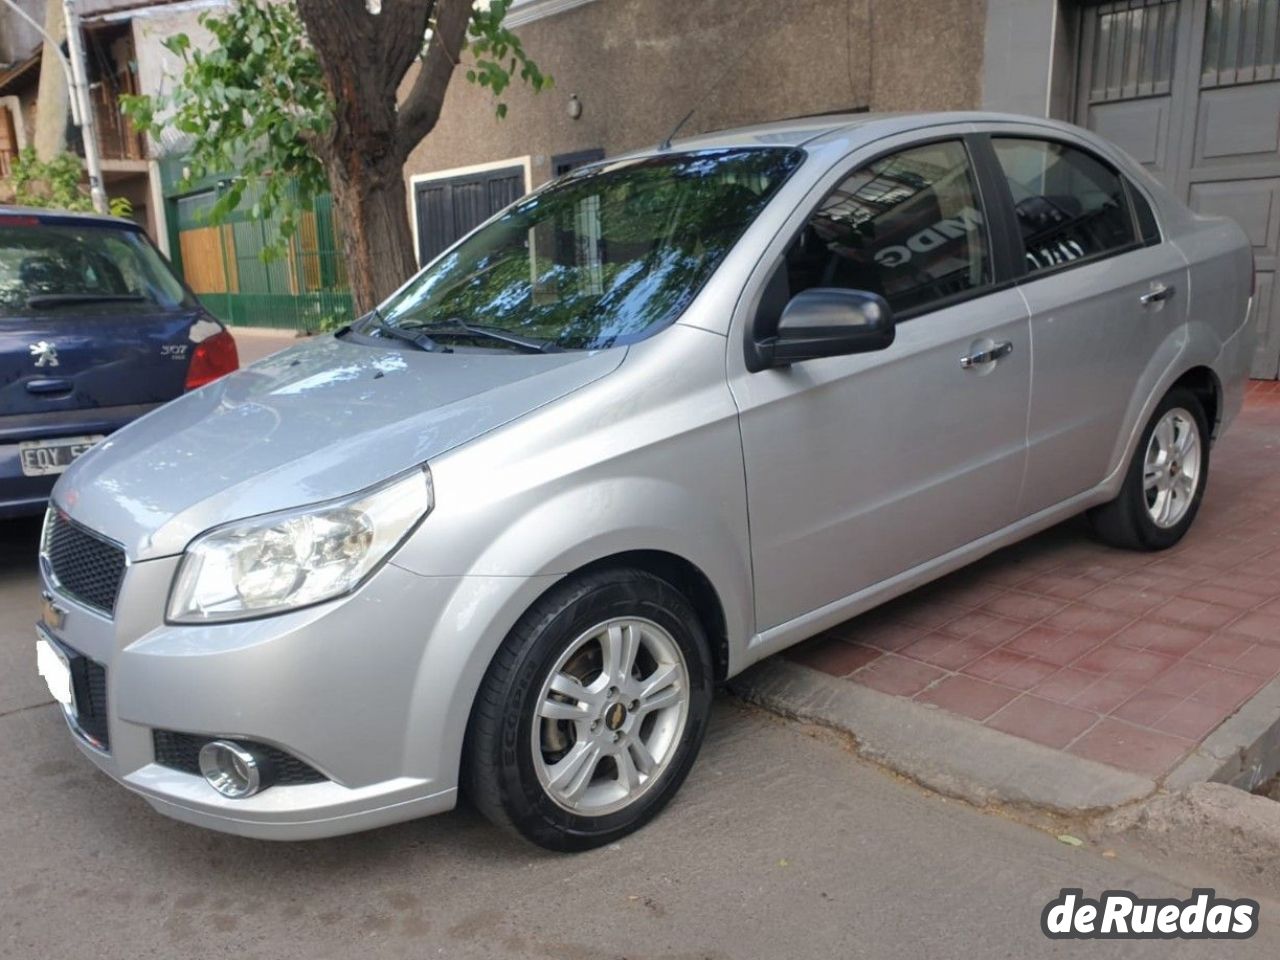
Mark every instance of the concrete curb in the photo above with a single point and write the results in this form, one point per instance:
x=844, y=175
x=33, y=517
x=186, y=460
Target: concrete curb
x=946, y=753
x=1236, y=833
x=1243, y=752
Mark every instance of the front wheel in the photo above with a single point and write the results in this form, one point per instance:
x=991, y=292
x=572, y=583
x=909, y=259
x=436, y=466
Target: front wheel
x=1166, y=479
x=592, y=712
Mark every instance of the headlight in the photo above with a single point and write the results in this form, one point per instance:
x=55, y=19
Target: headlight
x=282, y=561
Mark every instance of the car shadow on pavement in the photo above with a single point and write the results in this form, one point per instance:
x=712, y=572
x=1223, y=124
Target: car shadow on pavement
x=19, y=543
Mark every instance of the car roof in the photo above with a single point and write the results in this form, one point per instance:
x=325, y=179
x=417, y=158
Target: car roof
x=65, y=217
x=802, y=131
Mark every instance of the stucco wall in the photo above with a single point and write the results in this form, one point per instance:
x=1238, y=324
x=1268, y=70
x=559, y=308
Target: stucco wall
x=18, y=39
x=639, y=65
x=157, y=67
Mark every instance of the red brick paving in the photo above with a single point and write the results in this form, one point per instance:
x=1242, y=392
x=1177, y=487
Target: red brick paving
x=1126, y=658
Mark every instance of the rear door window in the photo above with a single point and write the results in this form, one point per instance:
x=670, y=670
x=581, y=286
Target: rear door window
x=1070, y=205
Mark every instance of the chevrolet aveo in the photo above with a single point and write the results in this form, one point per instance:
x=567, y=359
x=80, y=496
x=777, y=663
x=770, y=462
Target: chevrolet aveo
x=652, y=423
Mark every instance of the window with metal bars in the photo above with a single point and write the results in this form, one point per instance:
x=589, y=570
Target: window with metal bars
x=1131, y=54
x=1241, y=42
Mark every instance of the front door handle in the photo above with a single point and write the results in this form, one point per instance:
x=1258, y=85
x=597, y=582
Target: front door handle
x=1156, y=294
x=990, y=355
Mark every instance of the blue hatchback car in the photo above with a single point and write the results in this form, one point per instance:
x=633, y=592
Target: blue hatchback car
x=95, y=331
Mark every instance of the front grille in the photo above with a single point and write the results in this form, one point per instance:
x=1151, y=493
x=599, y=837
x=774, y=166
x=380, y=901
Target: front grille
x=181, y=751
x=83, y=564
x=89, y=683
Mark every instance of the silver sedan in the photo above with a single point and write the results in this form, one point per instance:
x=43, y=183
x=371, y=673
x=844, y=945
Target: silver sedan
x=652, y=423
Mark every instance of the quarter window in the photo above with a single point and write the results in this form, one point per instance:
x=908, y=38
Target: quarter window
x=1146, y=217
x=1070, y=205
x=908, y=226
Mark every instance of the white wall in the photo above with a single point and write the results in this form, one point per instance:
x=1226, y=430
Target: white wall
x=157, y=67
x=18, y=40
x=1028, y=64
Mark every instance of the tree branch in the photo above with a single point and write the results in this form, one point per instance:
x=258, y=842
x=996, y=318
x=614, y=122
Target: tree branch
x=418, y=113
x=402, y=32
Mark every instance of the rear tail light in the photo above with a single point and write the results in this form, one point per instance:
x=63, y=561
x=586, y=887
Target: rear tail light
x=212, y=358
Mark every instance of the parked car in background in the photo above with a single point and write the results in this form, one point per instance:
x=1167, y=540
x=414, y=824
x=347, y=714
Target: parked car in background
x=666, y=416
x=95, y=331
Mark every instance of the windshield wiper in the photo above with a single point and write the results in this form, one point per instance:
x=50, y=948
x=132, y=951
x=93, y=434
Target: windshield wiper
x=457, y=327
x=420, y=340
x=42, y=300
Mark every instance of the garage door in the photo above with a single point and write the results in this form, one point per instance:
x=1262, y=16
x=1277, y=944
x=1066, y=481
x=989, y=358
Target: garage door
x=448, y=208
x=1191, y=88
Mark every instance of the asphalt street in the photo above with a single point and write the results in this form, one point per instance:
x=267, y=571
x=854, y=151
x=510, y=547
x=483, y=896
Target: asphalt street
x=781, y=845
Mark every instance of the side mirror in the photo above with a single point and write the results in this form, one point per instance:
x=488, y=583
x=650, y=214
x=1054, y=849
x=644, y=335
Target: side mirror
x=828, y=322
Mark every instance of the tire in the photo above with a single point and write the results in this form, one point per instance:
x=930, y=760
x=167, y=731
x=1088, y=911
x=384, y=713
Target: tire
x=529, y=776
x=1131, y=520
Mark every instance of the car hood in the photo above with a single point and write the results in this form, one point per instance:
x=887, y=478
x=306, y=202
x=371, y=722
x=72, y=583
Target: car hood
x=314, y=422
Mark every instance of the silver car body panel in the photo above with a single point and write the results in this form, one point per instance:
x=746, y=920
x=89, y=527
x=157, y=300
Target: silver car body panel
x=311, y=423
x=803, y=496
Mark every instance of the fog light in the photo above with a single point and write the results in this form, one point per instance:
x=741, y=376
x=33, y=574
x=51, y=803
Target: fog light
x=230, y=769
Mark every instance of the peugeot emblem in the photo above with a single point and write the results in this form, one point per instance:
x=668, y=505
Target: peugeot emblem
x=46, y=353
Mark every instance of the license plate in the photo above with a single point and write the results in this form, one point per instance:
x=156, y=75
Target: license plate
x=40, y=458
x=53, y=666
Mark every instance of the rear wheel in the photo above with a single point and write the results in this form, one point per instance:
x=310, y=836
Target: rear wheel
x=592, y=712
x=1165, y=482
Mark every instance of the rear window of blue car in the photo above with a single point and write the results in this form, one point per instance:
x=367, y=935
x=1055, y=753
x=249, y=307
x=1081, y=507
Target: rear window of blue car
x=83, y=270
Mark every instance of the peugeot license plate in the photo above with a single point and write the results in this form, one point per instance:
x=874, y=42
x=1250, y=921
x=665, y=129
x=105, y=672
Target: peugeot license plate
x=41, y=458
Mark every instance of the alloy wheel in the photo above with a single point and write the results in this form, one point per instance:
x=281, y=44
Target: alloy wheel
x=610, y=716
x=1171, y=470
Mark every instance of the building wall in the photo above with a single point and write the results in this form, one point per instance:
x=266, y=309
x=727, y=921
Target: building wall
x=26, y=113
x=18, y=39
x=638, y=66
x=157, y=66
x=1029, y=63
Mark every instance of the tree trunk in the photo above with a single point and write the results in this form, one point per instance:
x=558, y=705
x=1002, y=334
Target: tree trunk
x=51, y=94
x=364, y=58
x=376, y=240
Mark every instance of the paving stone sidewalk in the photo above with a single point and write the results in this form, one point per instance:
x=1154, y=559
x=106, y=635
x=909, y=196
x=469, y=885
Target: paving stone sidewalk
x=1127, y=659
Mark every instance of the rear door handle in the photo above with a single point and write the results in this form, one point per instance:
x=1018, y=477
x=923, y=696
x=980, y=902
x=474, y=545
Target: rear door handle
x=990, y=355
x=1156, y=294
x=48, y=386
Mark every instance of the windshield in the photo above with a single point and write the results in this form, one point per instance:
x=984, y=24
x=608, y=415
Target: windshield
x=64, y=269
x=604, y=257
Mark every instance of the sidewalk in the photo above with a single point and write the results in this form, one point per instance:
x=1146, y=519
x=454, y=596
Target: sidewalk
x=1126, y=661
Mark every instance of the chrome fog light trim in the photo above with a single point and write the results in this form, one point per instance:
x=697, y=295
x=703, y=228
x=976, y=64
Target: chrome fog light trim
x=230, y=769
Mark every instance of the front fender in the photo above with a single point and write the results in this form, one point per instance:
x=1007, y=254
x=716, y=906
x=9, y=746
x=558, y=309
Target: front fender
x=527, y=558
x=596, y=519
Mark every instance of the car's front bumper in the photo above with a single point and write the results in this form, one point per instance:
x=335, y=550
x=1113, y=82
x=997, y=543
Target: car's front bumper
x=371, y=690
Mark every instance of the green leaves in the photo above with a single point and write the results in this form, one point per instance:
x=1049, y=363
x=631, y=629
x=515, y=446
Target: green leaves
x=499, y=55
x=54, y=185
x=254, y=102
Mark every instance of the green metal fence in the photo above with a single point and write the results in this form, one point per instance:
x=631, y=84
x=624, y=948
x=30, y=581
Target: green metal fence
x=305, y=288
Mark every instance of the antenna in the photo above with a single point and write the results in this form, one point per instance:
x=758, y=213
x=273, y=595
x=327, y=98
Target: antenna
x=666, y=144
x=731, y=62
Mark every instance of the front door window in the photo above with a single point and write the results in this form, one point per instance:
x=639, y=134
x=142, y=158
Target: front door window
x=908, y=227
